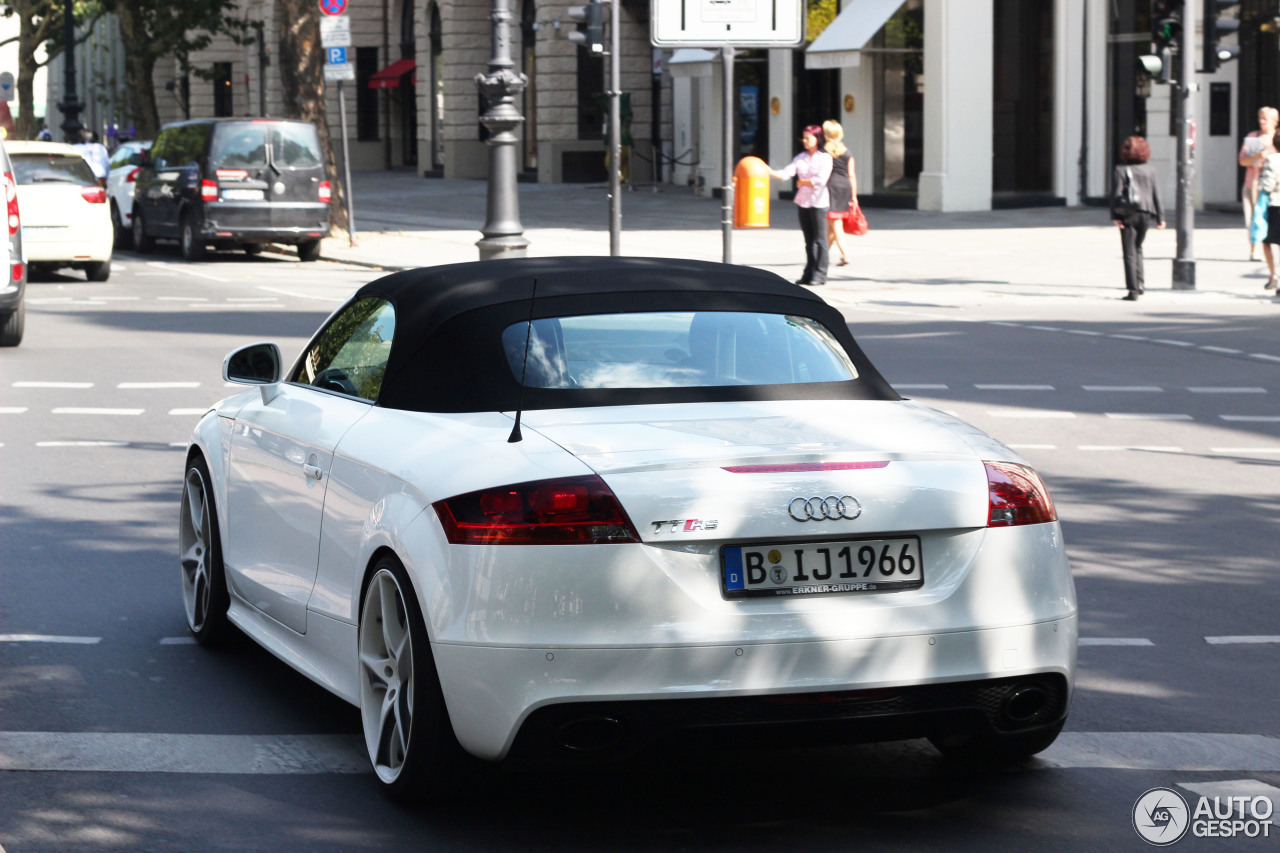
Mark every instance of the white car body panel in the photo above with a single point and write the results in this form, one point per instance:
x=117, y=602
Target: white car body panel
x=119, y=187
x=59, y=225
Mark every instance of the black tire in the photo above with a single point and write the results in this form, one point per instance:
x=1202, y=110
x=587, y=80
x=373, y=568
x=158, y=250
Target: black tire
x=143, y=243
x=203, y=577
x=192, y=247
x=432, y=761
x=123, y=237
x=11, y=326
x=309, y=250
x=98, y=270
x=995, y=748
x=252, y=249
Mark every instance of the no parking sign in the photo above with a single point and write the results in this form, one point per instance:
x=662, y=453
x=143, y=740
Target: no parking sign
x=333, y=7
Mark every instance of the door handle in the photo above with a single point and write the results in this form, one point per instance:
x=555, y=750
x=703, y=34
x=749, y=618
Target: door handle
x=313, y=472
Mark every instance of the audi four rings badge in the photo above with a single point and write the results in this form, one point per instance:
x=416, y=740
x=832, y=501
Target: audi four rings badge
x=824, y=509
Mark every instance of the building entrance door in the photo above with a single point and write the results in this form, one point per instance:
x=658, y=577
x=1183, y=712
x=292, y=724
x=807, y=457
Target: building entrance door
x=1022, y=92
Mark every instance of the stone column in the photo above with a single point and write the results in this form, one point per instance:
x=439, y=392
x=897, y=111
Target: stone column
x=958, y=44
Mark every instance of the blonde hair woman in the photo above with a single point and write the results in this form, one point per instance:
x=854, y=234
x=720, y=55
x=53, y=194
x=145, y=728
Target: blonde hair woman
x=843, y=186
x=1253, y=154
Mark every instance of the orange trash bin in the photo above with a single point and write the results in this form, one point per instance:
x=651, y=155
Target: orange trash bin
x=751, y=193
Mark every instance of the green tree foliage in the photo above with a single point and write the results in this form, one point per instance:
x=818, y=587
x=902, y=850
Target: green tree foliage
x=820, y=14
x=41, y=22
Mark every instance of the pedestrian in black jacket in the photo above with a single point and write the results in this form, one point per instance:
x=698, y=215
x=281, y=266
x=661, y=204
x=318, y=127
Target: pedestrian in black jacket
x=1135, y=203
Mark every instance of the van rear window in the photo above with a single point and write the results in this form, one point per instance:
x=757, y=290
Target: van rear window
x=52, y=169
x=239, y=145
x=295, y=146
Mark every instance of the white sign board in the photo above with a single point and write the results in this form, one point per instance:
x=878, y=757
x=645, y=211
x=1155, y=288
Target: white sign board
x=717, y=23
x=335, y=31
x=345, y=71
x=6, y=86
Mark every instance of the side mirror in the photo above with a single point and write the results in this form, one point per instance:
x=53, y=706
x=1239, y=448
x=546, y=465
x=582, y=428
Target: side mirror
x=256, y=364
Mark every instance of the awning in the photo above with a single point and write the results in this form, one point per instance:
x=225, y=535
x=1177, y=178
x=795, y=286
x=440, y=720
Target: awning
x=389, y=77
x=849, y=33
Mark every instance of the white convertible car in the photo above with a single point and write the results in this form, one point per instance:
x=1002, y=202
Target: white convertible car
x=584, y=506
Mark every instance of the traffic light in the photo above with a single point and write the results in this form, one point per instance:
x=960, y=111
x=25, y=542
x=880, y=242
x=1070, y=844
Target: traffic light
x=1166, y=23
x=1214, y=29
x=591, y=35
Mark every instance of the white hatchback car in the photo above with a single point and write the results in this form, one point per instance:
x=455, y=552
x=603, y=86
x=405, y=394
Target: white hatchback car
x=125, y=163
x=65, y=220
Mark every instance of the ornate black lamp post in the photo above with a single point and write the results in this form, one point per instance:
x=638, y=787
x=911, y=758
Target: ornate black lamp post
x=71, y=104
x=503, y=233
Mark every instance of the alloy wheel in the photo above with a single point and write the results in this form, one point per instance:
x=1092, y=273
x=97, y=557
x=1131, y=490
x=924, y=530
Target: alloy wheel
x=193, y=548
x=386, y=675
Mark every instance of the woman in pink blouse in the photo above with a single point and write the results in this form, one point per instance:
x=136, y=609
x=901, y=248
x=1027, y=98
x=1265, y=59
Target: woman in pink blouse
x=812, y=168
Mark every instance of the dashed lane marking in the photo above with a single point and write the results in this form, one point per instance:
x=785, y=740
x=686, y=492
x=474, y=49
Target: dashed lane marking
x=922, y=386
x=1086, y=332
x=1032, y=414
x=79, y=410
x=1128, y=389
x=102, y=752
x=1115, y=641
x=1223, y=350
x=1170, y=343
x=1014, y=387
x=53, y=385
x=156, y=385
x=1183, y=751
x=1147, y=416
x=302, y=295
x=185, y=270
x=1244, y=450
x=1033, y=446
x=1265, y=357
x=12, y=410
x=196, y=412
x=82, y=444
x=1129, y=337
x=1252, y=419
x=182, y=298
x=1241, y=640
x=177, y=641
x=48, y=638
x=1211, y=390
x=1144, y=448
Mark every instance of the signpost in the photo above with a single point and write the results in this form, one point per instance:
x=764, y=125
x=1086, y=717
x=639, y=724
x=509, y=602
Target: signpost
x=727, y=25
x=335, y=38
x=6, y=86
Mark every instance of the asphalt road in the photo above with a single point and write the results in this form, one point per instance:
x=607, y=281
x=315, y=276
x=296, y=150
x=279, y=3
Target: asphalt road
x=1156, y=427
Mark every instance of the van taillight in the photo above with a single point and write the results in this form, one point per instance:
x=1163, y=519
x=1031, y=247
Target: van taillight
x=94, y=194
x=209, y=190
x=325, y=193
x=11, y=197
x=566, y=511
x=1016, y=495
x=17, y=272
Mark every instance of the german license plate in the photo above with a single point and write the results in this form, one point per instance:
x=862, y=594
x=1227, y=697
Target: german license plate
x=820, y=568
x=242, y=195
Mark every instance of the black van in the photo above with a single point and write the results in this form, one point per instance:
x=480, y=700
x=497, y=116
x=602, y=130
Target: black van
x=233, y=182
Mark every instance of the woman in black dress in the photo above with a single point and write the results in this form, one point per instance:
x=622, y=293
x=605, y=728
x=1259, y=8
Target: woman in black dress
x=842, y=186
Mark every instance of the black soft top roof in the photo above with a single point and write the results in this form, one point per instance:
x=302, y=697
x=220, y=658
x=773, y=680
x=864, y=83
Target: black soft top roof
x=447, y=354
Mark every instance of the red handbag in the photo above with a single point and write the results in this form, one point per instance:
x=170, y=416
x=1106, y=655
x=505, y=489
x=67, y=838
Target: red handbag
x=855, y=222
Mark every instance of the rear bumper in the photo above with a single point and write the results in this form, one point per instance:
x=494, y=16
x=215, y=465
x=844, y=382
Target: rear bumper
x=280, y=222
x=496, y=695
x=11, y=294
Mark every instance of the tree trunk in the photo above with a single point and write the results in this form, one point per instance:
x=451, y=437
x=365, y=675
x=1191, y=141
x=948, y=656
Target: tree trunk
x=302, y=80
x=139, y=70
x=25, y=126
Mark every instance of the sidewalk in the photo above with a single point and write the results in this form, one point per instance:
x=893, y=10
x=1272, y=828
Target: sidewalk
x=405, y=221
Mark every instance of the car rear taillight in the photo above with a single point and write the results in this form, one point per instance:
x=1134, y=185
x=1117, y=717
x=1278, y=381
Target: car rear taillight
x=11, y=197
x=568, y=511
x=132, y=176
x=1017, y=495
x=94, y=194
x=325, y=193
x=209, y=190
x=17, y=272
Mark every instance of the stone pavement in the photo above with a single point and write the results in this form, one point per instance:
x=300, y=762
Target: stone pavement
x=918, y=258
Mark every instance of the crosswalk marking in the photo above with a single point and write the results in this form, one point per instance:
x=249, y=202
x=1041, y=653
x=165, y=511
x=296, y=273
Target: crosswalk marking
x=1182, y=751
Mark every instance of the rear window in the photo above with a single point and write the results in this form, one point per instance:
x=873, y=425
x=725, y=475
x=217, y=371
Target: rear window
x=295, y=146
x=292, y=145
x=52, y=169
x=239, y=145
x=675, y=349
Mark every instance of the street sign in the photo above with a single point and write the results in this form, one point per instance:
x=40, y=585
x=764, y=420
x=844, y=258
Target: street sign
x=6, y=86
x=345, y=71
x=335, y=55
x=720, y=23
x=333, y=7
x=335, y=31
